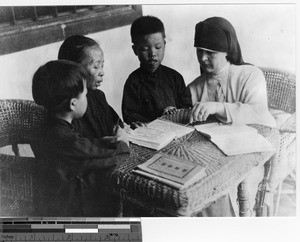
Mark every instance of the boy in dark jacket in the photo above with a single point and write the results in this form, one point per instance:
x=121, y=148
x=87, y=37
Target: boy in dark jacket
x=82, y=164
x=153, y=89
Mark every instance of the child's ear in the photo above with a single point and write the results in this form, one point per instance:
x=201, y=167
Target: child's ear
x=72, y=104
x=134, y=48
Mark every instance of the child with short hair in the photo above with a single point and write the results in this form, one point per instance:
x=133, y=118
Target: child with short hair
x=153, y=89
x=82, y=163
x=100, y=119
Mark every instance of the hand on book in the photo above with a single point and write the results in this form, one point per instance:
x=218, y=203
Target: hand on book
x=170, y=110
x=201, y=110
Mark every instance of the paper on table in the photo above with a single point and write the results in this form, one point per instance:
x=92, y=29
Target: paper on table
x=235, y=139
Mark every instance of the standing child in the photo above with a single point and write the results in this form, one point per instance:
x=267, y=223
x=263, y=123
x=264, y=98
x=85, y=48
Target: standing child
x=153, y=89
x=80, y=163
x=100, y=119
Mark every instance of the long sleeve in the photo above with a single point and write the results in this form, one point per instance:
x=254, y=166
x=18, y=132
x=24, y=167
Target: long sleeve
x=245, y=96
x=146, y=95
x=131, y=103
x=99, y=119
x=72, y=154
x=252, y=105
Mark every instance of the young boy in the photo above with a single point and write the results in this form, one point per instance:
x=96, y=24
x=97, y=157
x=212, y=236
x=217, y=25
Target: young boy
x=82, y=163
x=153, y=89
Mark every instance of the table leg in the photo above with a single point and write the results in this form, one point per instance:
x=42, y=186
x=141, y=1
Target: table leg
x=243, y=200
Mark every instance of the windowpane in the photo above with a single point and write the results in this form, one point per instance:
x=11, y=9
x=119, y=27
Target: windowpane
x=27, y=27
x=5, y=16
x=45, y=12
x=24, y=13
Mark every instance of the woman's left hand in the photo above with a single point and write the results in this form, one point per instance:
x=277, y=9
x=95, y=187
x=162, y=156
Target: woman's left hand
x=201, y=111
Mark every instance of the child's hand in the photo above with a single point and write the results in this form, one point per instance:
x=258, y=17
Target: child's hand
x=137, y=124
x=127, y=128
x=110, y=139
x=121, y=135
x=170, y=110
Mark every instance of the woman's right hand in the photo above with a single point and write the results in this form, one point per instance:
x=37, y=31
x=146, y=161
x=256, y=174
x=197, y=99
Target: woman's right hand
x=202, y=110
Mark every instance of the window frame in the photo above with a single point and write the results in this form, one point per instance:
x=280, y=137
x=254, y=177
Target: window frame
x=22, y=36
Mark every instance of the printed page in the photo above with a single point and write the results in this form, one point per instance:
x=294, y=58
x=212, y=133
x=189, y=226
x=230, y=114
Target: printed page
x=168, y=126
x=242, y=144
x=215, y=130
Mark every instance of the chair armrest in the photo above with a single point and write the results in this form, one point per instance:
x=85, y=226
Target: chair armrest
x=289, y=126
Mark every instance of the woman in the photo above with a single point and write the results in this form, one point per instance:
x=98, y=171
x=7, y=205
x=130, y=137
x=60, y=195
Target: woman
x=232, y=90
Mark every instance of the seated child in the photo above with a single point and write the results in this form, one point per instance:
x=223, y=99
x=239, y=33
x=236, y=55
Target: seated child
x=100, y=119
x=83, y=164
x=153, y=89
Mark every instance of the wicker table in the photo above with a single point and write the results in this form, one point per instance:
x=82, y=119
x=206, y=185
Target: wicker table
x=223, y=173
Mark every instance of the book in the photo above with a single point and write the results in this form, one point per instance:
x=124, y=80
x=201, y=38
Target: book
x=158, y=133
x=235, y=139
x=173, y=171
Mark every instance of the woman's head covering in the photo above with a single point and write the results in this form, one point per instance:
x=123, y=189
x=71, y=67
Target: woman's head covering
x=218, y=34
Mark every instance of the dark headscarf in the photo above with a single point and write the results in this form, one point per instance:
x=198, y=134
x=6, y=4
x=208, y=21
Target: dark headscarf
x=218, y=34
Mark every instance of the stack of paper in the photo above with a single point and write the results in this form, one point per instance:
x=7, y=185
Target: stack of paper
x=158, y=133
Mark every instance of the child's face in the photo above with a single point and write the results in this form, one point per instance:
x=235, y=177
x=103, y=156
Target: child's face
x=150, y=50
x=81, y=103
x=94, y=64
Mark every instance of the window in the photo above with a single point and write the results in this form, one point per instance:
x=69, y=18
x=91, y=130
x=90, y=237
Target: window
x=28, y=27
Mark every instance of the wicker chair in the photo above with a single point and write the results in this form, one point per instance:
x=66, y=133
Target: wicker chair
x=20, y=190
x=281, y=88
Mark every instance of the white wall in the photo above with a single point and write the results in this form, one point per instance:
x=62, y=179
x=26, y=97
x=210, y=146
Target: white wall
x=266, y=34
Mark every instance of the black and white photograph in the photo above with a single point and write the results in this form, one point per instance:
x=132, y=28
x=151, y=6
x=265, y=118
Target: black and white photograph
x=179, y=116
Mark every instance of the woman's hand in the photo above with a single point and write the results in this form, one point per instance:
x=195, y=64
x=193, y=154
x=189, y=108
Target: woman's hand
x=169, y=110
x=201, y=111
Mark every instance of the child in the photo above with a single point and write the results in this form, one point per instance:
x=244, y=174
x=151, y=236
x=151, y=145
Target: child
x=82, y=163
x=153, y=89
x=100, y=119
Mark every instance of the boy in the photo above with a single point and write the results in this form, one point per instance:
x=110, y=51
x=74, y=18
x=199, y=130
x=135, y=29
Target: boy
x=82, y=163
x=153, y=89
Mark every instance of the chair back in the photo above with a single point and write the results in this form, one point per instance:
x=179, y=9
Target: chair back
x=281, y=88
x=21, y=122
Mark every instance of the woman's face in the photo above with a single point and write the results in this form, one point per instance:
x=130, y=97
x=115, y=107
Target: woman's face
x=94, y=64
x=211, y=61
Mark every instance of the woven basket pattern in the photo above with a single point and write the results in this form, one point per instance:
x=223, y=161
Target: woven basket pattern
x=222, y=171
x=20, y=123
x=281, y=88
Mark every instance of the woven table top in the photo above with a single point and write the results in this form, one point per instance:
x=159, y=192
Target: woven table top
x=222, y=173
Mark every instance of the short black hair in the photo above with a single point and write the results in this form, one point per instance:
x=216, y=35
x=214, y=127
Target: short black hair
x=56, y=83
x=74, y=48
x=146, y=25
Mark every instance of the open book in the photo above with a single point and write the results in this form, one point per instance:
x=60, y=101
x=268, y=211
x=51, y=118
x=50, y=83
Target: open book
x=175, y=172
x=235, y=139
x=158, y=133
